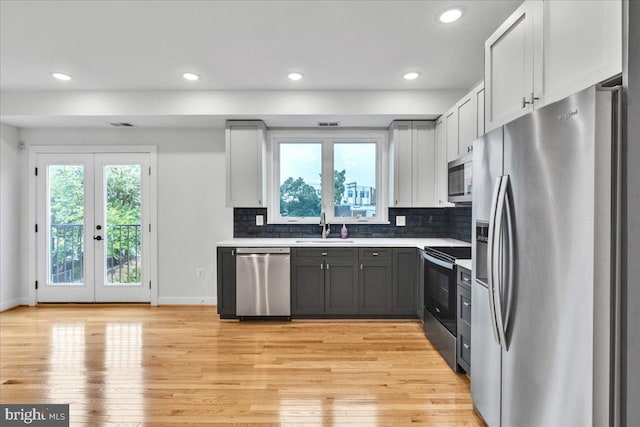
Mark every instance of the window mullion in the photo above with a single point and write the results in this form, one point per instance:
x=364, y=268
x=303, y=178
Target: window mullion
x=327, y=179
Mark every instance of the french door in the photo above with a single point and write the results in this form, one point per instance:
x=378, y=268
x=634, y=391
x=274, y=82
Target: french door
x=92, y=242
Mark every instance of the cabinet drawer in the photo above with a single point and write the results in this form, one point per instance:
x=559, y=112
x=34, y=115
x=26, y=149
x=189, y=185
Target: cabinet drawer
x=464, y=306
x=325, y=252
x=464, y=277
x=464, y=350
x=375, y=254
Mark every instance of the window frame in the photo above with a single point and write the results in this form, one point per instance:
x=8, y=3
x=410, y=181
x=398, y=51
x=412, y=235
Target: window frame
x=327, y=139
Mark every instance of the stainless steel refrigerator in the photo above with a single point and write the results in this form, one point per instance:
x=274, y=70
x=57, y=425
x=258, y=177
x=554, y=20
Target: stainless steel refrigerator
x=545, y=266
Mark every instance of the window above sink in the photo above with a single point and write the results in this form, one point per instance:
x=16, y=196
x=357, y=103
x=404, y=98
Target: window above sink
x=338, y=172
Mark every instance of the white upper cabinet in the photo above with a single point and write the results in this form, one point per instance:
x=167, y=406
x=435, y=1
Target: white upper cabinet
x=424, y=164
x=478, y=103
x=547, y=50
x=466, y=124
x=582, y=45
x=441, y=166
x=451, y=133
x=412, y=148
x=511, y=53
x=401, y=148
x=245, y=146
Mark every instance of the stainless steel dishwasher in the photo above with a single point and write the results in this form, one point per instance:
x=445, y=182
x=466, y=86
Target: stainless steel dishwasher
x=263, y=279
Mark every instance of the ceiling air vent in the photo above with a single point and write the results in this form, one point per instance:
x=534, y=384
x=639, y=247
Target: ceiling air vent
x=123, y=125
x=328, y=124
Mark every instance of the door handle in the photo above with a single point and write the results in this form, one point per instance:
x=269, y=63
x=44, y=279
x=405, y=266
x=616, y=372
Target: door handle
x=497, y=260
x=97, y=237
x=490, y=256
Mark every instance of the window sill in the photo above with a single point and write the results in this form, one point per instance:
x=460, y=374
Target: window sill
x=330, y=222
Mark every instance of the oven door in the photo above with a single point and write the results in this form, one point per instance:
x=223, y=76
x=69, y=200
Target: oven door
x=440, y=291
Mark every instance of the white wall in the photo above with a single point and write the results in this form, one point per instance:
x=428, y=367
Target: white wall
x=10, y=217
x=191, y=201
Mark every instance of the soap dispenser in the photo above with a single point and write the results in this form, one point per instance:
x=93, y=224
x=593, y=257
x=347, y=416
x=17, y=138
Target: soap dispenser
x=343, y=232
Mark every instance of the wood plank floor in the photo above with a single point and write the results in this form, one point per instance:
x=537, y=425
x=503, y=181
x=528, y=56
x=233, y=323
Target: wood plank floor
x=129, y=365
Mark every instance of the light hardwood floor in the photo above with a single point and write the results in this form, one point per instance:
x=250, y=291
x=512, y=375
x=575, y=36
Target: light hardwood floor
x=131, y=365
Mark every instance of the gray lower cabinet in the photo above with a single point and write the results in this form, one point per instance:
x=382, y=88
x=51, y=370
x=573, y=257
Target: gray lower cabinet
x=463, y=340
x=405, y=276
x=341, y=286
x=375, y=287
x=324, y=281
x=307, y=286
x=420, y=286
x=226, y=275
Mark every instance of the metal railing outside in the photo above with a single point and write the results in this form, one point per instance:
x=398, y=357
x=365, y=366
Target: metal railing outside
x=123, y=253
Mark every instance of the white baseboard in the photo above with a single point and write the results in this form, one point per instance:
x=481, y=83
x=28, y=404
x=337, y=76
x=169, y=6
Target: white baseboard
x=25, y=301
x=6, y=305
x=187, y=300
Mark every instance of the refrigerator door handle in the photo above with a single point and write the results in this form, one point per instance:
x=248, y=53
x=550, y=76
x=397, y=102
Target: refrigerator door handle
x=510, y=264
x=497, y=258
x=490, y=255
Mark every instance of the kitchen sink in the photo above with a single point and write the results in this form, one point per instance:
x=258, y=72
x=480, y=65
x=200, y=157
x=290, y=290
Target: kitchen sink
x=326, y=241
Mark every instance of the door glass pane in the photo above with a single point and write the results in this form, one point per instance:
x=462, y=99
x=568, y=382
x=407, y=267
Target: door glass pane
x=354, y=180
x=123, y=218
x=300, y=179
x=66, y=224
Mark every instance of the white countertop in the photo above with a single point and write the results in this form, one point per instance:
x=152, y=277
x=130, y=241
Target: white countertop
x=349, y=242
x=466, y=263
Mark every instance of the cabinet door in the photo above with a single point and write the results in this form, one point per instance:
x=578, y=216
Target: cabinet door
x=374, y=287
x=405, y=276
x=424, y=163
x=226, y=278
x=511, y=53
x=401, y=153
x=307, y=286
x=341, y=286
x=478, y=103
x=451, y=132
x=441, y=164
x=582, y=45
x=466, y=124
x=245, y=144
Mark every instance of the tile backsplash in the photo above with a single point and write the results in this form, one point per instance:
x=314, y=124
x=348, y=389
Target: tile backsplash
x=421, y=222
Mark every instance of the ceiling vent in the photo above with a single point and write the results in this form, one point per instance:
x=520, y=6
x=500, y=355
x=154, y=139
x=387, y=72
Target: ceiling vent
x=328, y=124
x=123, y=125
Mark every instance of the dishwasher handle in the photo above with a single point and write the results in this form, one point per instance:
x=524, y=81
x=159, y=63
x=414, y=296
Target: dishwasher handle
x=250, y=251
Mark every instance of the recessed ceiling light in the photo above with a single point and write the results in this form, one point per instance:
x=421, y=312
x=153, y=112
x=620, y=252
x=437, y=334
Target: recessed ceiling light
x=412, y=75
x=295, y=76
x=190, y=76
x=61, y=76
x=450, y=16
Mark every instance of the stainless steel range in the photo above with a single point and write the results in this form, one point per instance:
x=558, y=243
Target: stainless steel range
x=440, y=298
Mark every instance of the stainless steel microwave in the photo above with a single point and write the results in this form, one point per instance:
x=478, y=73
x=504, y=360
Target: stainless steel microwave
x=460, y=179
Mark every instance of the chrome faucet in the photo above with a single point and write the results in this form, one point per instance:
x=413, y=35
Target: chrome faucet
x=326, y=228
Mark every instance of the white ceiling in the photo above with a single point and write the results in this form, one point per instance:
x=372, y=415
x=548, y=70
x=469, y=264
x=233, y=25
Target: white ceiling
x=146, y=45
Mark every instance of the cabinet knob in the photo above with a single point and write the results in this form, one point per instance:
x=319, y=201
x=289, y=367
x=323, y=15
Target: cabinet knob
x=360, y=266
x=324, y=254
x=466, y=346
x=327, y=266
x=321, y=266
x=375, y=254
x=466, y=304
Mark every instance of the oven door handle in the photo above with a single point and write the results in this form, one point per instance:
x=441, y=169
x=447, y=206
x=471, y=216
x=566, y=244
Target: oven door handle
x=441, y=263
